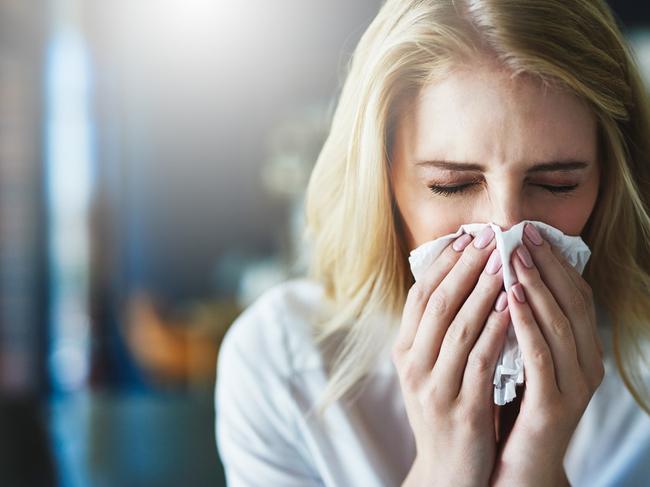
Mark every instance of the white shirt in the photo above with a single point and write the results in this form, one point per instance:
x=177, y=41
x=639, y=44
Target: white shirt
x=270, y=374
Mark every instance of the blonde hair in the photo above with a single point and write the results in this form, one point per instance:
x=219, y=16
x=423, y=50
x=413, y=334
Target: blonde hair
x=358, y=249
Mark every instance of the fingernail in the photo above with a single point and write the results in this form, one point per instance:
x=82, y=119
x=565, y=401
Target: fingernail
x=502, y=301
x=524, y=256
x=461, y=242
x=533, y=234
x=484, y=238
x=518, y=290
x=493, y=263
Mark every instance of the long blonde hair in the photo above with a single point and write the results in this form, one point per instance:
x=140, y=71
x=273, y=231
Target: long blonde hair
x=358, y=250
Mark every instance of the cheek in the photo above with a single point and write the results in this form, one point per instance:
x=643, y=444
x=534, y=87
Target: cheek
x=439, y=221
x=572, y=216
x=425, y=218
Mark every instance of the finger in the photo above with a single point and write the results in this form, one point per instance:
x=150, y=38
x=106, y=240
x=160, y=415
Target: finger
x=568, y=296
x=478, y=376
x=575, y=276
x=410, y=319
x=420, y=292
x=554, y=325
x=593, y=365
x=446, y=300
x=466, y=327
x=538, y=363
x=587, y=293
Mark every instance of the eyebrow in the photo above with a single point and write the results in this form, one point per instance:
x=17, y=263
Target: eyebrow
x=564, y=166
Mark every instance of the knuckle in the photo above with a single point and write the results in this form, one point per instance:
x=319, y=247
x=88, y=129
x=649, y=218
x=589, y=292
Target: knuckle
x=430, y=398
x=560, y=326
x=533, y=280
x=527, y=321
x=480, y=362
x=545, y=420
x=410, y=373
x=437, y=304
x=494, y=323
x=469, y=419
x=469, y=260
x=460, y=332
x=491, y=324
x=486, y=285
x=448, y=259
x=576, y=301
x=541, y=357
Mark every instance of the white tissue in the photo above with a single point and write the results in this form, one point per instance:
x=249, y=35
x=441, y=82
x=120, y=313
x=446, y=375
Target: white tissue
x=510, y=369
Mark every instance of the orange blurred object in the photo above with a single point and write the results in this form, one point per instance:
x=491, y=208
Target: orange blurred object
x=178, y=351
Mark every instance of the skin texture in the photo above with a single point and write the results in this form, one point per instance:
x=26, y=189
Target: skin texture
x=451, y=331
x=507, y=126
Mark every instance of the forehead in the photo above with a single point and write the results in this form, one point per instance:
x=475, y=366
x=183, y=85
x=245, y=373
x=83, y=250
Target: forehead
x=485, y=115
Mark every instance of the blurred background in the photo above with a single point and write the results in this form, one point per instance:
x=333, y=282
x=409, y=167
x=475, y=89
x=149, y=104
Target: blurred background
x=153, y=160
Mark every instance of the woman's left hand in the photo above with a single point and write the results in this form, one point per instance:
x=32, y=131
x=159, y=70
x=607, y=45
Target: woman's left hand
x=553, y=315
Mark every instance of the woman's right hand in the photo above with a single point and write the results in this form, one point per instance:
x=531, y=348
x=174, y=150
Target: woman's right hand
x=445, y=354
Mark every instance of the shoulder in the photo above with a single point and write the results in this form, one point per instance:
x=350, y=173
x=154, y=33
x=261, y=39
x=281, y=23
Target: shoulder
x=277, y=327
x=255, y=414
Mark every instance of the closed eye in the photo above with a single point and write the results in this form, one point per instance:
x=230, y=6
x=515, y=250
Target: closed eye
x=452, y=190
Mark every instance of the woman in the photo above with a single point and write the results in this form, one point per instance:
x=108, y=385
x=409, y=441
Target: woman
x=456, y=112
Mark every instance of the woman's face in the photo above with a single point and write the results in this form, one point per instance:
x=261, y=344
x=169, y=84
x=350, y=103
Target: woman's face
x=481, y=147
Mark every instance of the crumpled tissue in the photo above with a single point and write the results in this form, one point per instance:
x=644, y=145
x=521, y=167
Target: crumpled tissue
x=510, y=368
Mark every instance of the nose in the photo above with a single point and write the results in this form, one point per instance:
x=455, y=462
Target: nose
x=506, y=207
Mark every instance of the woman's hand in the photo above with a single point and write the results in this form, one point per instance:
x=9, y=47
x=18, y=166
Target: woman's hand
x=554, y=319
x=445, y=354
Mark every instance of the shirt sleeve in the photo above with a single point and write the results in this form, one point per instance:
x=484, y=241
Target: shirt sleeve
x=257, y=438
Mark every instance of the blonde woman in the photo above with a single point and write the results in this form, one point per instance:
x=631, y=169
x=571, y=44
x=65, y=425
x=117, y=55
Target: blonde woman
x=454, y=112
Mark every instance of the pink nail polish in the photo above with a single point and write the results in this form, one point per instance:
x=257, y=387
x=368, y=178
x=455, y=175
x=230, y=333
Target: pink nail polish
x=494, y=262
x=524, y=256
x=518, y=290
x=461, y=242
x=533, y=234
x=484, y=238
x=502, y=301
